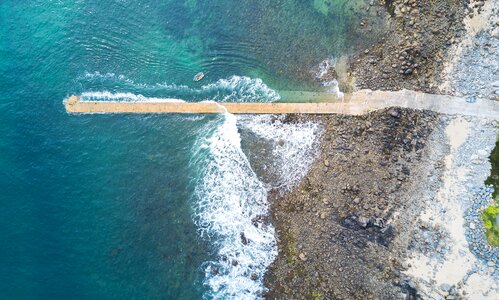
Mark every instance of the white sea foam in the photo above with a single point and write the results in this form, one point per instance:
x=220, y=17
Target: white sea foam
x=324, y=68
x=325, y=73
x=294, y=146
x=241, y=89
x=231, y=202
x=122, y=97
x=232, y=89
x=333, y=87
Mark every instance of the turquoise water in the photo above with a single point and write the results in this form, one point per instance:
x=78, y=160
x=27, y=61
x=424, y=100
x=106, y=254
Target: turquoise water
x=109, y=206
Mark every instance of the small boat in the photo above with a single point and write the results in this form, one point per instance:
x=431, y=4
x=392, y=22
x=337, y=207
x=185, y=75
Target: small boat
x=199, y=76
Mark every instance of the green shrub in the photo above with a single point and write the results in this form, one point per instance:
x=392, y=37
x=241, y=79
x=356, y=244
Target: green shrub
x=489, y=217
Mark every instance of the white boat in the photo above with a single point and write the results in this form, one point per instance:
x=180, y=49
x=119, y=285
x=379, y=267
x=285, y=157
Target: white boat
x=199, y=76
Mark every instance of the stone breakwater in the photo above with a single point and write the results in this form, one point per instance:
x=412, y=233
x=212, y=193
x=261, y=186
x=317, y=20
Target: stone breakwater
x=357, y=103
x=475, y=232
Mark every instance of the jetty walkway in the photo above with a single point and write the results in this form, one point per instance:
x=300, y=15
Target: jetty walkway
x=360, y=102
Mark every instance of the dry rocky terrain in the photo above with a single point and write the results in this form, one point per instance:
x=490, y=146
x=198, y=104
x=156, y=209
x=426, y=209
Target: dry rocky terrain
x=338, y=232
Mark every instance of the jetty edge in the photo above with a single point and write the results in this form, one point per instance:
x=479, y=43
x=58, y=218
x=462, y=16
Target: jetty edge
x=357, y=103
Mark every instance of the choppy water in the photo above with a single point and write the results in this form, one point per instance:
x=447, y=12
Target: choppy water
x=158, y=206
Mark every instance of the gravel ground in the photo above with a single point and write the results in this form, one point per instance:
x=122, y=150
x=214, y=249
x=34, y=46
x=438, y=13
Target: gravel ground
x=463, y=265
x=473, y=67
x=475, y=232
x=418, y=37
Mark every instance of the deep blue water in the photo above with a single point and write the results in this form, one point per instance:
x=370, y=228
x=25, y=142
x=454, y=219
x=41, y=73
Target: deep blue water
x=101, y=206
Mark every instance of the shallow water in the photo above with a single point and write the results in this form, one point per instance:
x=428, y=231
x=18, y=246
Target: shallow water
x=110, y=206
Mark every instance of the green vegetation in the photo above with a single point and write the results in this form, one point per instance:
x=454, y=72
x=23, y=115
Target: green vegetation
x=290, y=249
x=489, y=218
x=316, y=296
x=494, y=175
x=490, y=214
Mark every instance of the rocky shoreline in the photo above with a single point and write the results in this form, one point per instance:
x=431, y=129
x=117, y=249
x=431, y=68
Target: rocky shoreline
x=430, y=46
x=419, y=34
x=390, y=207
x=336, y=230
x=380, y=214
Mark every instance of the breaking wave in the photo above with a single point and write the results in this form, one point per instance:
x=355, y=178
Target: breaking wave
x=129, y=97
x=231, y=205
x=326, y=74
x=232, y=89
x=230, y=211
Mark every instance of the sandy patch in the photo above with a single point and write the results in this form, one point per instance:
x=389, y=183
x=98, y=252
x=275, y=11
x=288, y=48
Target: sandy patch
x=459, y=268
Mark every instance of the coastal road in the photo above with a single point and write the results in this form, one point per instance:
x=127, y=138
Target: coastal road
x=358, y=103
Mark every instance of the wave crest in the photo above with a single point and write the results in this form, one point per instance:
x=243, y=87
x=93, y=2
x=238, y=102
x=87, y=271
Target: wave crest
x=232, y=89
x=231, y=203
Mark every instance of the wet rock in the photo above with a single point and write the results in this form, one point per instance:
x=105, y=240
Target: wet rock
x=244, y=240
x=378, y=222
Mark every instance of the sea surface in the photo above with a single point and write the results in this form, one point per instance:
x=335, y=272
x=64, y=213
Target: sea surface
x=153, y=206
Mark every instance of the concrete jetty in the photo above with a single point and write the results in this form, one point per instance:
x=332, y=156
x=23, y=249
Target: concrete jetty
x=360, y=102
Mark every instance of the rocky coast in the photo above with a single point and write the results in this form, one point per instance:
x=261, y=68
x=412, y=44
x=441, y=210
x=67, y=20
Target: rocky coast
x=390, y=208
x=380, y=214
x=442, y=46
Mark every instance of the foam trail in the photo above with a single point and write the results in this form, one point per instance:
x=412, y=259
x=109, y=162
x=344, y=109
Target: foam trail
x=241, y=89
x=122, y=97
x=231, y=202
x=232, y=89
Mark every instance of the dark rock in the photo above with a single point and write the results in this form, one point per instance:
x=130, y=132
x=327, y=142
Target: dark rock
x=378, y=222
x=244, y=240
